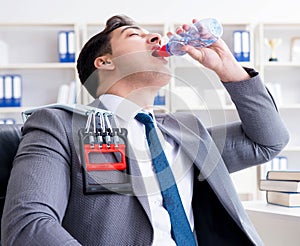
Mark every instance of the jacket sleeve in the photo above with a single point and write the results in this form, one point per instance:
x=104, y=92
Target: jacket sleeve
x=260, y=135
x=39, y=185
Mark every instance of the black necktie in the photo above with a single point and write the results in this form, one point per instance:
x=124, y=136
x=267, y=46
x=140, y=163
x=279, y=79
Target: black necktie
x=181, y=230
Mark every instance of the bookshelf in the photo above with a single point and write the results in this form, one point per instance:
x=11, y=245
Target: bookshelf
x=31, y=50
x=281, y=77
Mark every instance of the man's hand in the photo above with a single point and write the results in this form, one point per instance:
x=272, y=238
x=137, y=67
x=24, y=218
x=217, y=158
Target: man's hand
x=216, y=57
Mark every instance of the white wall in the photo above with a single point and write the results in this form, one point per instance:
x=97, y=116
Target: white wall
x=148, y=11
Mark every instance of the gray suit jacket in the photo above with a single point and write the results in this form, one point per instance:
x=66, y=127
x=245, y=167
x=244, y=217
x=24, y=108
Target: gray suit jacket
x=45, y=204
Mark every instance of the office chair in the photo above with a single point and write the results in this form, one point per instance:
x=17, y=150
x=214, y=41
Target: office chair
x=10, y=136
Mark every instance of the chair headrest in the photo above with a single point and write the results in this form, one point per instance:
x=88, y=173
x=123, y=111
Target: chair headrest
x=10, y=136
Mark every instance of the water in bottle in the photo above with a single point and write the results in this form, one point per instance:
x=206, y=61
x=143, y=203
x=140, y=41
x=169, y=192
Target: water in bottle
x=201, y=34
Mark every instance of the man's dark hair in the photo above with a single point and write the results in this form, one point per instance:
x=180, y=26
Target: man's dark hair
x=96, y=46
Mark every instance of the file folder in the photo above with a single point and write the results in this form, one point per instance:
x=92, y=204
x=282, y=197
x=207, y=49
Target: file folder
x=8, y=90
x=241, y=45
x=63, y=46
x=17, y=91
x=66, y=46
x=160, y=98
x=71, y=46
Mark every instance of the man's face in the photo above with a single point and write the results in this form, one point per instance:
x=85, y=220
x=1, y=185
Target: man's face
x=131, y=39
x=132, y=49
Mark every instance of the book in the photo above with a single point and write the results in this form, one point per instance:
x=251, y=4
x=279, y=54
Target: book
x=283, y=175
x=279, y=185
x=283, y=198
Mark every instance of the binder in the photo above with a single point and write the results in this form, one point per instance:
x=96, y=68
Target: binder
x=17, y=90
x=8, y=90
x=241, y=45
x=66, y=46
x=71, y=46
x=2, y=91
x=63, y=46
x=160, y=98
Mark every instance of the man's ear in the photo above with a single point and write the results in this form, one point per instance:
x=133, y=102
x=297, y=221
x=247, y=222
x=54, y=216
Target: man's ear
x=104, y=63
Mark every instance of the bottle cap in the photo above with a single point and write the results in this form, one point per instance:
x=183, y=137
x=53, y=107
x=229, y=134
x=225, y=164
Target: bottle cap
x=163, y=52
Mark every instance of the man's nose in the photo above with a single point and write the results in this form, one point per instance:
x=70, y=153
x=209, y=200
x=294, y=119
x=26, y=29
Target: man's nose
x=154, y=38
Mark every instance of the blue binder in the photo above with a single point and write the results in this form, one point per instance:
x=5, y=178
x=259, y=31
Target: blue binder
x=63, y=46
x=241, y=43
x=10, y=90
x=71, y=46
x=160, y=98
x=17, y=90
x=66, y=46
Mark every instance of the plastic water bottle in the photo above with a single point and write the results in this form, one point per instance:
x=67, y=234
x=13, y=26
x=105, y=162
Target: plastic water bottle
x=201, y=34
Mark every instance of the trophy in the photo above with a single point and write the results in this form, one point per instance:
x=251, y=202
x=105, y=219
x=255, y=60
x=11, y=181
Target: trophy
x=273, y=43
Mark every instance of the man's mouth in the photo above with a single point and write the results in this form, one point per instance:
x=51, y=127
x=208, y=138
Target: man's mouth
x=160, y=51
x=155, y=51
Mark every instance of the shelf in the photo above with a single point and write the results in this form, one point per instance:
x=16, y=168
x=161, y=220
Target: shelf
x=289, y=106
x=291, y=149
x=281, y=64
x=264, y=207
x=5, y=110
x=48, y=65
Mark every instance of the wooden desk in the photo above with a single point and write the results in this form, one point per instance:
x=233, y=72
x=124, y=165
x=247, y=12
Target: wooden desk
x=277, y=225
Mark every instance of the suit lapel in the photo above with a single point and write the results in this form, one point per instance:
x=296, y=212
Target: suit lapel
x=196, y=142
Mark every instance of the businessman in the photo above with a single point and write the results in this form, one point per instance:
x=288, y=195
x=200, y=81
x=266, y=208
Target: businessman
x=45, y=203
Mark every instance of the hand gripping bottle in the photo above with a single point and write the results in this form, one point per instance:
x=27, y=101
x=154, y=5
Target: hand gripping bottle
x=201, y=34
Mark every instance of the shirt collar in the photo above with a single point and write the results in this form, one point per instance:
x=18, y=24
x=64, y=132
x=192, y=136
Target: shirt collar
x=122, y=107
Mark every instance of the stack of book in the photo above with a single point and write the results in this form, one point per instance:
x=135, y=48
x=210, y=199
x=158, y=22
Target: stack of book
x=282, y=188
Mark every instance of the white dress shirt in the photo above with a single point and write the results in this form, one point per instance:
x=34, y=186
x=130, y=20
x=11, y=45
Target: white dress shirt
x=125, y=112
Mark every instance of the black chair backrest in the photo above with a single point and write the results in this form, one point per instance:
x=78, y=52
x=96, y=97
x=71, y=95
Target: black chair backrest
x=10, y=136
